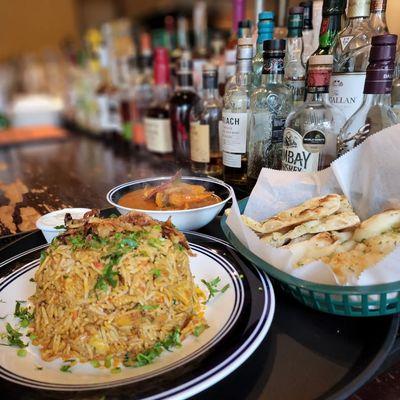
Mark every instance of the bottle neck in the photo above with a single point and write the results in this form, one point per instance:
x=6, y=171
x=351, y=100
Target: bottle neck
x=263, y=36
x=356, y=21
x=317, y=97
x=378, y=99
x=272, y=78
x=330, y=27
x=243, y=78
x=378, y=20
x=294, y=49
x=209, y=93
x=161, y=92
x=185, y=82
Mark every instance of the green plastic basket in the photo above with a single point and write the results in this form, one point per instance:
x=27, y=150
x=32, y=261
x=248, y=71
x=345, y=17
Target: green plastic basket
x=351, y=301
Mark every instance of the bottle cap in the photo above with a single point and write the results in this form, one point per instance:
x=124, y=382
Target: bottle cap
x=308, y=14
x=295, y=22
x=380, y=69
x=296, y=10
x=161, y=66
x=272, y=45
x=359, y=8
x=333, y=7
x=266, y=15
x=321, y=60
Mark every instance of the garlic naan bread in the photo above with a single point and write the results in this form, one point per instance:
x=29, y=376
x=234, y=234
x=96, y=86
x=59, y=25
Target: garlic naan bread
x=312, y=209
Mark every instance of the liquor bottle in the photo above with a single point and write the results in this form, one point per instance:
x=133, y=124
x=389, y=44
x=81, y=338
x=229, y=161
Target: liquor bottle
x=308, y=31
x=238, y=7
x=396, y=88
x=157, y=125
x=311, y=131
x=378, y=17
x=316, y=21
x=182, y=102
x=243, y=32
x=236, y=104
x=200, y=53
x=265, y=32
x=294, y=69
x=375, y=112
x=350, y=55
x=205, y=153
x=331, y=24
x=270, y=104
x=182, y=39
x=143, y=93
x=107, y=99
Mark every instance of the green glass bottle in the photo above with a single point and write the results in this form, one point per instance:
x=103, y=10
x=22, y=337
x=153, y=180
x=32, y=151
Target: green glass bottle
x=331, y=25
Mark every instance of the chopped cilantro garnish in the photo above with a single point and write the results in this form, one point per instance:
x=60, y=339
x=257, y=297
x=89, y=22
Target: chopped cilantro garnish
x=212, y=287
x=156, y=272
x=95, y=363
x=23, y=314
x=149, y=355
x=155, y=242
x=43, y=256
x=199, y=329
x=107, y=362
x=60, y=227
x=14, y=337
x=65, y=368
x=22, y=353
x=148, y=307
x=77, y=241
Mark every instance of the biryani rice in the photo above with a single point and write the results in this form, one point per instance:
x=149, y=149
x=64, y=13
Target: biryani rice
x=114, y=288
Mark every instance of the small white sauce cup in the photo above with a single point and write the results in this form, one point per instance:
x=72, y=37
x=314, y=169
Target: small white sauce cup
x=47, y=223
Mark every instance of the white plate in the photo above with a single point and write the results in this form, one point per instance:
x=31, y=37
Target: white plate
x=249, y=293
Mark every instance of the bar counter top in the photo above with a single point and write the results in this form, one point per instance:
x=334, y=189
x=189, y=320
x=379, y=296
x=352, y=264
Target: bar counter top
x=78, y=171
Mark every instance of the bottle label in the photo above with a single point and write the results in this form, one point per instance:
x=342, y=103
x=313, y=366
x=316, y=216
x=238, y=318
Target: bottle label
x=346, y=92
x=199, y=142
x=318, y=80
x=298, y=89
x=158, y=135
x=344, y=41
x=295, y=156
x=109, y=117
x=278, y=124
x=234, y=132
x=232, y=160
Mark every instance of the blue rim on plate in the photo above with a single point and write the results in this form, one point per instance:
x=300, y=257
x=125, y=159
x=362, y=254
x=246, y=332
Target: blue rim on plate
x=246, y=327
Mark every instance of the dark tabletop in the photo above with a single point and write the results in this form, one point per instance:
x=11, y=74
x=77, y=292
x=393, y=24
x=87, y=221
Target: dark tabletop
x=79, y=171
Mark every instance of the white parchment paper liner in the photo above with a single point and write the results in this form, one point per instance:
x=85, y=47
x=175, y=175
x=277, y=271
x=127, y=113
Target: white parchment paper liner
x=369, y=176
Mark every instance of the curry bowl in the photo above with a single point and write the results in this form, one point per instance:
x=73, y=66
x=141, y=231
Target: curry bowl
x=186, y=219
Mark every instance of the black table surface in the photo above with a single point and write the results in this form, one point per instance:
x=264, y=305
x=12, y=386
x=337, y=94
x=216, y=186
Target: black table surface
x=306, y=355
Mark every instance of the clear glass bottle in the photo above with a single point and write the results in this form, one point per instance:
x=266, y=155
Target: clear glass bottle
x=182, y=102
x=375, y=112
x=265, y=32
x=310, y=136
x=396, y=86
x=200, y=53
x=308, y=31
x=157, y=125
x=350, y=58
x=378, y=17
x=205, y=153
x=235, y=121
x=331, y=25
x=270, y=104
x=295, y=73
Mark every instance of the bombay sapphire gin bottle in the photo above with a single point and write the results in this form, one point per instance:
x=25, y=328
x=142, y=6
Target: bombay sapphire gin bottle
x=310, y=136
x=375, y=112
x=270, y=105
x=235, y=121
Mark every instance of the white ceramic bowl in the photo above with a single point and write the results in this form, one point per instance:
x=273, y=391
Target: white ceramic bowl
x=47, y=223
x=185, y=220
